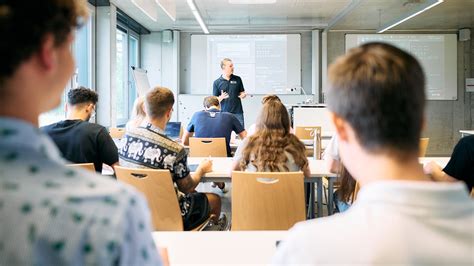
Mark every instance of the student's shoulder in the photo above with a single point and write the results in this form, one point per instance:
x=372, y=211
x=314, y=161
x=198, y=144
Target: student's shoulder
x=468, y=140
x=92, y=128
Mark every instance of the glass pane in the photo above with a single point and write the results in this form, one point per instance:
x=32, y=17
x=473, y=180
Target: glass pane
x=56, y=114
x=122, y=78
x=133, y=61
x=82, y=53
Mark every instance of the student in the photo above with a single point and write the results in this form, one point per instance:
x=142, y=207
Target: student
x=212, y=123
x=377, y=98
x=138, y=114
x=267, y=98
x=460, y=166
x=272, y=148
x=51, y=214
x=344, y=195
x=148, y=147
x=79, y=140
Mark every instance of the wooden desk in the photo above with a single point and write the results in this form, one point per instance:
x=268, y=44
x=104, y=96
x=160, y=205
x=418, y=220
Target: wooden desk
x=466, y=132
x=219, y=248
x=441, y=161
x=222, y=169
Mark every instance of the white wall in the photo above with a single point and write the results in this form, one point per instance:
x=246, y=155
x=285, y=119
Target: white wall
x=106, y=20
x=161, y=60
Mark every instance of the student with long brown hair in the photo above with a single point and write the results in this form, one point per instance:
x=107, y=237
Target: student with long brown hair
x=345, y=194
x=272, y=148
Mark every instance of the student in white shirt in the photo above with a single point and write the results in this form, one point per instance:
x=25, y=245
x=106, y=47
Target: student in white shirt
x=401, y=217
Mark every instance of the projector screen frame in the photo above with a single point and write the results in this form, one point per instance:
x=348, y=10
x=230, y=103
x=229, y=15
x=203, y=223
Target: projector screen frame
x=202, y=80
x=450, y=62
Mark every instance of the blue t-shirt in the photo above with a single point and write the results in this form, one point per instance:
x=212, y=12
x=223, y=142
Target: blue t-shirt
x=233, y=87
x=215, y=124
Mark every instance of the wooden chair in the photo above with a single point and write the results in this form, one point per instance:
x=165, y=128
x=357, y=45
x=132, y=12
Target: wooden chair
x=267, y=201
x=158, y=188
x=309, y=134
x=423, y=146
x=116, y=132
x=88, y=166
x=203, y=147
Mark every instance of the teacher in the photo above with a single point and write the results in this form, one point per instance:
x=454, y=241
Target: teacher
x=229, y=89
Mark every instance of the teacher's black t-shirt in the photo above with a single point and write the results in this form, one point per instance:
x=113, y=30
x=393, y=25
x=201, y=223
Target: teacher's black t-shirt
x=233, y=87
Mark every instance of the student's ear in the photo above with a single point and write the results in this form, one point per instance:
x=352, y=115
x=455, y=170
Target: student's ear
x=340, y=125
x=47, y=54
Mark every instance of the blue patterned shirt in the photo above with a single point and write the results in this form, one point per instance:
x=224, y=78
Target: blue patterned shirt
x=53, y=215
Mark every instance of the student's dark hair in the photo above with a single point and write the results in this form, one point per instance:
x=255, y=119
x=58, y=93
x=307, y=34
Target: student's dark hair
x=210, y=101
x=379, y=90
x=82, y=95
x=158, y=101
x=270, y=97
x=24, y=24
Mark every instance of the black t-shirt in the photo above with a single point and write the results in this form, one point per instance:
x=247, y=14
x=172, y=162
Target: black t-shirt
x=233, y=87
x=461, y=164
x=83, y=142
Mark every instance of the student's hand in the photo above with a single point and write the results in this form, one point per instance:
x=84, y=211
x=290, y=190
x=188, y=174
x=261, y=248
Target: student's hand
x=224, y=95
x=164, y=256
x=432, y=169
x=242, y=95
x=206, y=166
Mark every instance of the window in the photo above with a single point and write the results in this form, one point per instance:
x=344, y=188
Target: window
x=122, y=77
x=82, y=50
x=127, y=56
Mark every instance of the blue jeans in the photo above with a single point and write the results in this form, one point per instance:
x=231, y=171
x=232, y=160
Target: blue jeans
x=240, y=117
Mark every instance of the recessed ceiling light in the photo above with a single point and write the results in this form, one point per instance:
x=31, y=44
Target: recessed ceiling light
x=416, y=12
x=252, y=2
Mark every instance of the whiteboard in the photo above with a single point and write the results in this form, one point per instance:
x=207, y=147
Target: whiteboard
x=267, y=63
x=437, y=54
x=142, y=83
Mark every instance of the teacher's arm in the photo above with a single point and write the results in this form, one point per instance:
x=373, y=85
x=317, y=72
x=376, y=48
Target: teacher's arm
x=242, y=93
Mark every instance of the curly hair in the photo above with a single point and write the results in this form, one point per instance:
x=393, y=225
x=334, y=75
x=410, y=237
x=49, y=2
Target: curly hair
x=82, y=95
x=24, y=24
x=267, y=148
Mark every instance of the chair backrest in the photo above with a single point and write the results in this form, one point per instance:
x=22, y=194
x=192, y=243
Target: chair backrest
x=267, y=201
x=310, y=134
x=203, y=147
x=116, y=132
x=423, y=146
x=157, y=186
x=88, y=166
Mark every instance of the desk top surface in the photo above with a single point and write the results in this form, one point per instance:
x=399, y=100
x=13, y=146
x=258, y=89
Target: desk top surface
x=467, y=132
x=222, y=167
x=212, y=247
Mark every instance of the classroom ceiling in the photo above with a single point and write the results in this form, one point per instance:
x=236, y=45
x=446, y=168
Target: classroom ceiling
x=288, y=15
